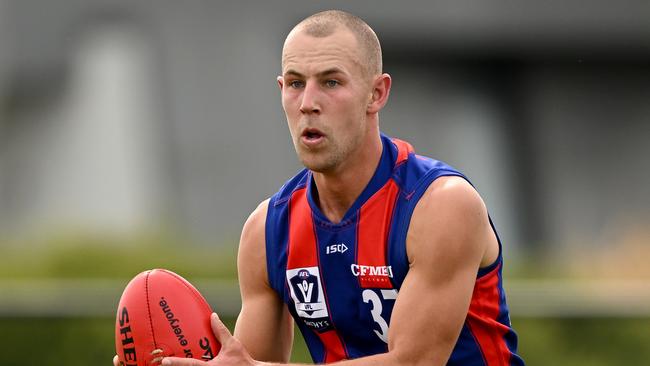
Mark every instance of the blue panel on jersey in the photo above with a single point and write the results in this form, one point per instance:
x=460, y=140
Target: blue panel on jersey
x=351, y=316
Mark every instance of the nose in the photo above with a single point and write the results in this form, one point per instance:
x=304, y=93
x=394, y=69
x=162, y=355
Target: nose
x=310, y=99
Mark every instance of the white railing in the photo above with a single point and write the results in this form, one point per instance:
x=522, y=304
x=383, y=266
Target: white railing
x=579, y=298
x=93, y=297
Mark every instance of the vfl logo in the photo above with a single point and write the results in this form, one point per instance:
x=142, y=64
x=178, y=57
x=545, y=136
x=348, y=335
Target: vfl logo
x=305, y=282
x=307, y=292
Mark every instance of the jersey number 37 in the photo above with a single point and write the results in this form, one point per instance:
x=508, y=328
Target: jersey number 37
x=371, y=297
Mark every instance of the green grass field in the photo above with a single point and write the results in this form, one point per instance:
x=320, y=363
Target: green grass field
x=570, y=342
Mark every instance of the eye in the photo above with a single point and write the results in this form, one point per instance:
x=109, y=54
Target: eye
x=296, y=84
x=331, y=83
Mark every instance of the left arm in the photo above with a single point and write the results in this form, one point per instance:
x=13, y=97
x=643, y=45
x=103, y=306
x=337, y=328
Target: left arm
x=448, y=240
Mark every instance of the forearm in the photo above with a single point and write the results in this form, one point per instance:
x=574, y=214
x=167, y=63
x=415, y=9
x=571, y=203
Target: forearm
x=268, y=338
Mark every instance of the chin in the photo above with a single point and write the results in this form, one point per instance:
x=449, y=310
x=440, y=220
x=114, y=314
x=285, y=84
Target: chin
x=318, y=165
x=314, y=166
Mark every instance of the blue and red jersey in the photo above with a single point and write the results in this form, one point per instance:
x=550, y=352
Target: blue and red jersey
x=340, y=280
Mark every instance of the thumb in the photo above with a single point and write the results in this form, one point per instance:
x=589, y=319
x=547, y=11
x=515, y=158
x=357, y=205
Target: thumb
x=219, y=329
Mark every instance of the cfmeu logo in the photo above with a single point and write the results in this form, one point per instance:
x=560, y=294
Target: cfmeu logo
x=336, y=248
x=359, y=270
x=307, y=292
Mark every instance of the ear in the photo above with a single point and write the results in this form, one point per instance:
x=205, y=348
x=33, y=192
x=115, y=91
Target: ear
x=280, y=80
x=380, y=91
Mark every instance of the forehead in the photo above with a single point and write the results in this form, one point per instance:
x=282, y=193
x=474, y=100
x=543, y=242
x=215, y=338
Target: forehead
x=307, y=54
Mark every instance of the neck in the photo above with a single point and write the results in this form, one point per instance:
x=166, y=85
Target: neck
x=338, y=190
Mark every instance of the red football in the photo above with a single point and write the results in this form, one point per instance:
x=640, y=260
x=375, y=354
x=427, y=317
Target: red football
x=161, y=314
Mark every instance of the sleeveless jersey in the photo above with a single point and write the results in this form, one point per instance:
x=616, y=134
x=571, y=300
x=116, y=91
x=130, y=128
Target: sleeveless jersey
x=340, y=281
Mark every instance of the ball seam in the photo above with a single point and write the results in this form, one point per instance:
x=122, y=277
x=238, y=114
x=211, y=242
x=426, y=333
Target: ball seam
x=146, y=289
x=193, y=290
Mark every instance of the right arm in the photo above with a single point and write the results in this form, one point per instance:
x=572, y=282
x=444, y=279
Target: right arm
x=264, y=326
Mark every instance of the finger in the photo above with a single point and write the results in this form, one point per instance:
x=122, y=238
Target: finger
x=178, y=361
x=116, y=361
x=219, y=329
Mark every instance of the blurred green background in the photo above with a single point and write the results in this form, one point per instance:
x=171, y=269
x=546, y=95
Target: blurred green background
x=571, y=341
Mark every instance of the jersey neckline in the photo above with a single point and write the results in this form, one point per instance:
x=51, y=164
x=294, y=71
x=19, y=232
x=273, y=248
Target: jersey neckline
x=383, y=173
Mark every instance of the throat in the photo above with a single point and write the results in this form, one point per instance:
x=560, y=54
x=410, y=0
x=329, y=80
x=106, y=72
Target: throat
x=337, y=191
x=334, y=213
x=334, y=206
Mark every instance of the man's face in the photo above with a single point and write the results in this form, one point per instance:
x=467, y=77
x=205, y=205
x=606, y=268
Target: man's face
x=325, y=96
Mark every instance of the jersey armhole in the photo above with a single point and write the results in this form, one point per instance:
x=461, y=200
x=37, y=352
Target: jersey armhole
x=421, y=187
x=492, y=266
x=269, y=234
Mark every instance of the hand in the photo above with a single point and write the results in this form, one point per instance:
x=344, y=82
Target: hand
x=116, y=359
x=232, y=352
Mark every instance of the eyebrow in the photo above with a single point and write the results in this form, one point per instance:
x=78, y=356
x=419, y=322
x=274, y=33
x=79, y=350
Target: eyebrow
x=333, y=70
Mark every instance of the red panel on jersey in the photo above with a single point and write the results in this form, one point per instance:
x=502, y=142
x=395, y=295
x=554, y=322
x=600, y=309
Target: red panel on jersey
x=403, y=150
x=481, y=318
x=374, y=223
x=303, y=252
x=334, y=350
x=302, y=243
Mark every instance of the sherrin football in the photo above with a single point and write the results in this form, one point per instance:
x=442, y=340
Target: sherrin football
x=161, y=314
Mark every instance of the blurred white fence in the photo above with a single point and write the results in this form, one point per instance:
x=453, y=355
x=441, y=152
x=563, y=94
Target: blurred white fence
x=526, y=298
x=86, y=297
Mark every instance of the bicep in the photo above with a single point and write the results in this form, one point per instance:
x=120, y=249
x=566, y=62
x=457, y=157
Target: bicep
x=445, y=251
x=264, y=325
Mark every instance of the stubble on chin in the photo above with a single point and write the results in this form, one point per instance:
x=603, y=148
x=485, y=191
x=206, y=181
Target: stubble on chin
x=317, y=165
x=321, y=161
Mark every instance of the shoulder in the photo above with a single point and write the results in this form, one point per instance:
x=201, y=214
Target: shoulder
x=252, y=251
x=257, y=217
x=450, y=219
x=253, y=230
x=454, y=194
x=296, y=182
x=417, y=173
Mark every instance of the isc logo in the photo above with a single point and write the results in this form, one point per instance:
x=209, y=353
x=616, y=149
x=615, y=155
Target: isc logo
x=336, y=248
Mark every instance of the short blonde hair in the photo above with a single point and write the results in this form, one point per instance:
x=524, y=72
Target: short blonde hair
x=327, y=22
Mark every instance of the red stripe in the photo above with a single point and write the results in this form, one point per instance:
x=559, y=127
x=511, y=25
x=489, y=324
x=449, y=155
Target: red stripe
x=403, y=150
x=374, y=223
x=334, y=350
x=482, y=320
x=302, y=238
x=303, y=252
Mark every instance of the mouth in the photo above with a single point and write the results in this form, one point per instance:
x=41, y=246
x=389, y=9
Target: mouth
x=312, y=136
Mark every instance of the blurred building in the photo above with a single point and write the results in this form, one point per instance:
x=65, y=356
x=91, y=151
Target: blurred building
x=126, y=116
